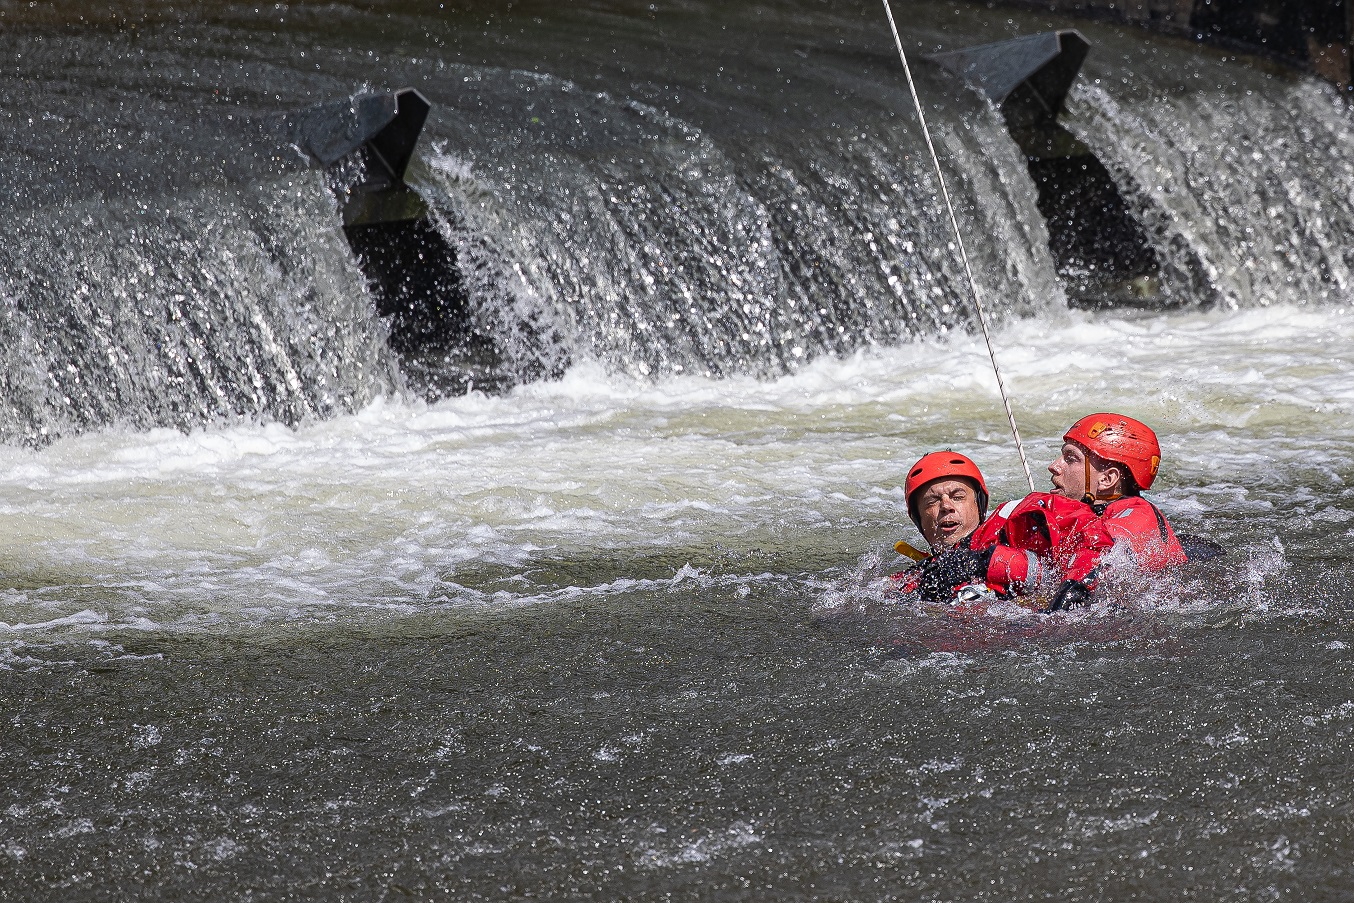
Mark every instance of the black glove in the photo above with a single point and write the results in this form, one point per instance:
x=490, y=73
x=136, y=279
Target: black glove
x=950, y=570
x=1072, y=594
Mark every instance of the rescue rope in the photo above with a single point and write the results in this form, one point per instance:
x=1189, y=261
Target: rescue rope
x=963, y=254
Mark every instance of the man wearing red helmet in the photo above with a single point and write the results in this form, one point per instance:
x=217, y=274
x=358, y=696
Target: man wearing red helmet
x=947, y=500
x=1009, y=553
x=1106, y=462
x=946, y=497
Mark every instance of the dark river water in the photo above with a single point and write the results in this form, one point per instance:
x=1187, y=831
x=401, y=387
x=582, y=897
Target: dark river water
x=698, y=743
x=276, y=626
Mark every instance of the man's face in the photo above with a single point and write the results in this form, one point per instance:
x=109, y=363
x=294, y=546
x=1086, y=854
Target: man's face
x=1068, y=472
x=948, y=511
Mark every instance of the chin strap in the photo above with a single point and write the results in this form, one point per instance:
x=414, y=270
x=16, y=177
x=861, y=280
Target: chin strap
x=1086, y=495
x=1096, y=500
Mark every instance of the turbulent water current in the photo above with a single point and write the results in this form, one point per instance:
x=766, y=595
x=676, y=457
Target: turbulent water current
x=274, y=627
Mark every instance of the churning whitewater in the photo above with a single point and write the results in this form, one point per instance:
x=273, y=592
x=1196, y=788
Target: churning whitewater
x=473, y=501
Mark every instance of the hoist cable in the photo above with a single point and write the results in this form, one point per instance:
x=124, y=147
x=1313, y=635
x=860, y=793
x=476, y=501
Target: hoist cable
x=959, y=240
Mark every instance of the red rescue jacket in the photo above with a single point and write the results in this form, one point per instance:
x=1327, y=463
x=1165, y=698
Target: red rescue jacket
x=1046, y=535
x=1150, y=538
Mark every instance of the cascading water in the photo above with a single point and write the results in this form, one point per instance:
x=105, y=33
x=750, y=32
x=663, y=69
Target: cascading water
x=202, y=307
x=615, y=629
x=689, y=225
x=1244, y=182
x=740, y=216
x=166, y=264
x=662, y=245
x=745, y=232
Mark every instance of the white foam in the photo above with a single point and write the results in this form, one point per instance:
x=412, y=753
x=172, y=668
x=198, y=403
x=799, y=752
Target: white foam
x=402, y=504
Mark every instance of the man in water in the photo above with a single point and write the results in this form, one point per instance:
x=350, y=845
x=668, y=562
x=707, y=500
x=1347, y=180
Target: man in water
x=1106, y=462
x=1009, y=553
x=947, y=500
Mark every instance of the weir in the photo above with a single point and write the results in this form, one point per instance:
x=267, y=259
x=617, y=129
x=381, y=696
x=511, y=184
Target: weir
x=1101, y=252
x=659, y=221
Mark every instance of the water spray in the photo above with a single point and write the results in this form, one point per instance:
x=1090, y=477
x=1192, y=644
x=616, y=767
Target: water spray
x=959, y=239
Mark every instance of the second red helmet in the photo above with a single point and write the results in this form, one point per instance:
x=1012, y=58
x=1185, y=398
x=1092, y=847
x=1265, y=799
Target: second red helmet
x=943, y=465
x=1121, y=439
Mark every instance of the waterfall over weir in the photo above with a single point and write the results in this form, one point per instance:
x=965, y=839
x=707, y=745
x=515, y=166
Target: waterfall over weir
x=732, y=193
x=1246, y=191
x=218, y=306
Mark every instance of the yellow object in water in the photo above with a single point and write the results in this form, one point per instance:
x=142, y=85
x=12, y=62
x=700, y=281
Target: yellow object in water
x=909, y=550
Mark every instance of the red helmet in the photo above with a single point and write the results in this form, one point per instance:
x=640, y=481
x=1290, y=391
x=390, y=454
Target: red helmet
x=1121, y=440
x=938, y=466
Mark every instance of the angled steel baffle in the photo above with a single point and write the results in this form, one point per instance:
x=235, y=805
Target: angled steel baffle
x=1100, y=249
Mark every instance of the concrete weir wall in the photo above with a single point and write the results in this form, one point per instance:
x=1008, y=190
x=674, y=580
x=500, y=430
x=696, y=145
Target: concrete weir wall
x=1313, y=35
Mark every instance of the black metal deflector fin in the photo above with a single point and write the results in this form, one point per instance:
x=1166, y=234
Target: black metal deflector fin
x=373, y=135
x=388, y=122
x=394, y=144
x=1101, y=251
x=1034, y=72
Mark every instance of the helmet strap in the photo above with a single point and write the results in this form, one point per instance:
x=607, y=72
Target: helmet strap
x=1094, y=498
x=1087, y=496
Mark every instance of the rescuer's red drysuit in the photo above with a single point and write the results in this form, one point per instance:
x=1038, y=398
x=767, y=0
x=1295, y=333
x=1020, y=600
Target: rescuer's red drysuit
x=1040, y=537
x=1046, y=537
x=1141, y=524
